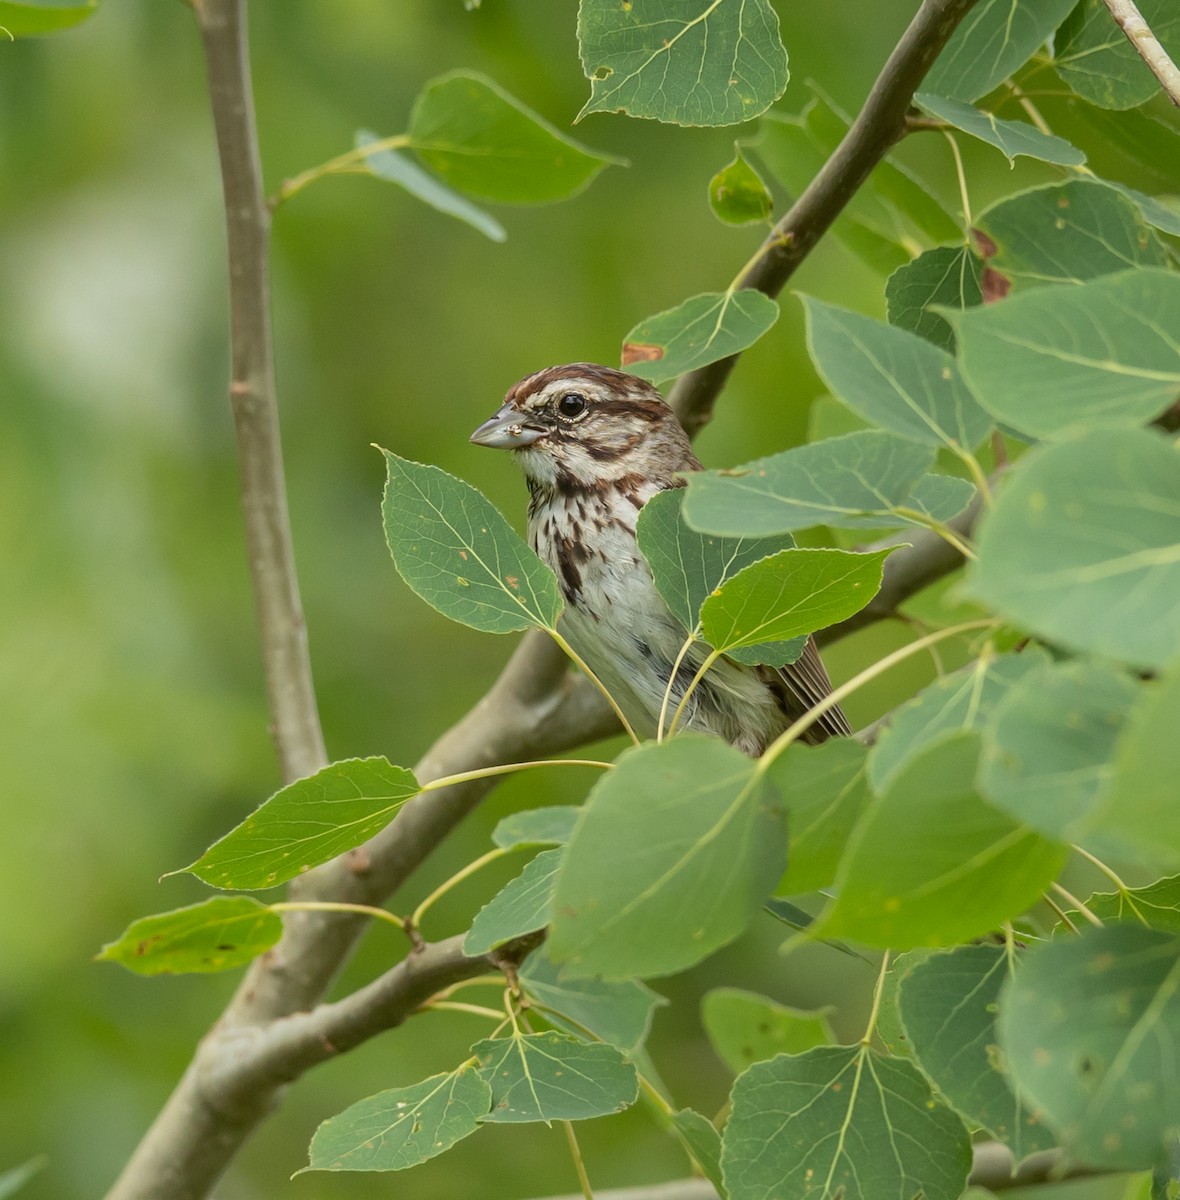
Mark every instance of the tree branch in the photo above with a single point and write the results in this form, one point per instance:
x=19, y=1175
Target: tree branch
x=1130, y=20
x=879, y=125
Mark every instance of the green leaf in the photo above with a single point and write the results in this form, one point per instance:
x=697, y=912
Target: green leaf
x=894, y=378
x=948, y=1003
x=456, y=551
x=702, y=330
x=25, y=18
x=397, y=168
x=1138, y=809
x=618, y=1012
x=825, y=789
x=519, y=907
x=1083, y=547
x=402, y=1127
x=675, y=852
x=701, y=1139
x=791, y=593
x=1049, y=744
x=688, y=62
x=960, y=701
x=972, y=869
x=1011, y=138
x=553, y=1077
x=1156, y=906
x=891, y=1032
x=480, y=140
x=12, y=1180
x=994, y=39
x=940, y=497
x=309, y=822
x=947, y=276
x=1098, y=61
x=841, y=1121
x=1066, y=233
x=1088, y=1028
x=850, y=482
x=536, y=827
x=215, y=935
x=746, y=1028
x=737, y=194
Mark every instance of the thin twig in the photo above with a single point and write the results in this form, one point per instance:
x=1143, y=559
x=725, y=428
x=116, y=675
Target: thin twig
x=1147, y=46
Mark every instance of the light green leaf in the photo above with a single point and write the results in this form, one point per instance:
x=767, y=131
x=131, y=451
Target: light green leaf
x=825, y=790
x=402, y=1127
x=791, y=593
x=940, y=497
x=619, y=1012
x=702, y=330
x=746, y=1028
x=972, y=869
x=536, y=827
x=737, y=194
x=689, y=62
x=309, y=822
x=994, y=39
x=894, y=378
x=1048, y=746
x=701, y=1139
x=552, y=1077
x=26, y=18
x=947, y=276
x=1083, y=547
x=480, y=140
x=850, y=482
x=1066, y=233
x=12, y=1180
x=675, y=852
x=841, y=1121
x=456, y=551
x=519, y=907
x=396, y=168
x=1156, y=906
x=948, y=1003
x=960, y=701
x=1011, y=138
x=1099, y=62
x=1163, y=212
x=1088, y=1028
x=215, y=935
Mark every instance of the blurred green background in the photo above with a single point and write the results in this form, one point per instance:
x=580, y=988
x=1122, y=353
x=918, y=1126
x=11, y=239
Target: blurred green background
x=131, y=698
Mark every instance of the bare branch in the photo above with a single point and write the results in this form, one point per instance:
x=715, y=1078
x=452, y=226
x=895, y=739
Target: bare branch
x=879, y=125
x=1130, y=20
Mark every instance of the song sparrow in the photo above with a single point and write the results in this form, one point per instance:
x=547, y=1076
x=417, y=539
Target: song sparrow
x=595, y=444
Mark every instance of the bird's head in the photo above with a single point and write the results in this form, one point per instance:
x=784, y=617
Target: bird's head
x=584, y=425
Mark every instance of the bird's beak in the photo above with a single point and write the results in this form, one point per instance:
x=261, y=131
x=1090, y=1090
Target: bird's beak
x=505, y=431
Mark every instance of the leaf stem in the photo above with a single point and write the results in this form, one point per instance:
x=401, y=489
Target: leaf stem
x=341, y=164
x=579, y=1166
x=342, y=906
x=964, y=198
x=1070, y=898
x=446, y=781
x=945, y=532
x=580, y=663
x=878, y=992
x=713, y=656
x=977, y=472
x=477, y=1010
x=1059, y=911
x=470, y=869
x=684, y=649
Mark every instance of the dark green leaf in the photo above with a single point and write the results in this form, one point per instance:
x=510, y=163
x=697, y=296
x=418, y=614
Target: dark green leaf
x=536, y=827
x=308, y=822
x=703, y=1142
x=1083, y=547
x=460, y=555
x=397, y=168
x=960, y=701
x=947, y=276
x=972, y=868
x=889, y=1027
x=619, y=1012
x=552, y=1077
x=676, y=850
x=949, y=1003
x=214, y=935
x=701, y=330
x=482, y=141
x=25, y=18
x=1012, y=138
x=1088, y=1028
x=841, y=1121
x=519, y=907
x=1049, y=745
x=402, y=1127
x=737, y=194
x=1156, y=906
x=688, y=62
x=894, y=378
x=994, y=39
x=746, y=1028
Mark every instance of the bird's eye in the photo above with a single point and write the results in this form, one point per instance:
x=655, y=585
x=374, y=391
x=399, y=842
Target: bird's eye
x=572, y=404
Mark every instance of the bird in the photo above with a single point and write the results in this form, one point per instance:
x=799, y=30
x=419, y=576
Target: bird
x=595, y=444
